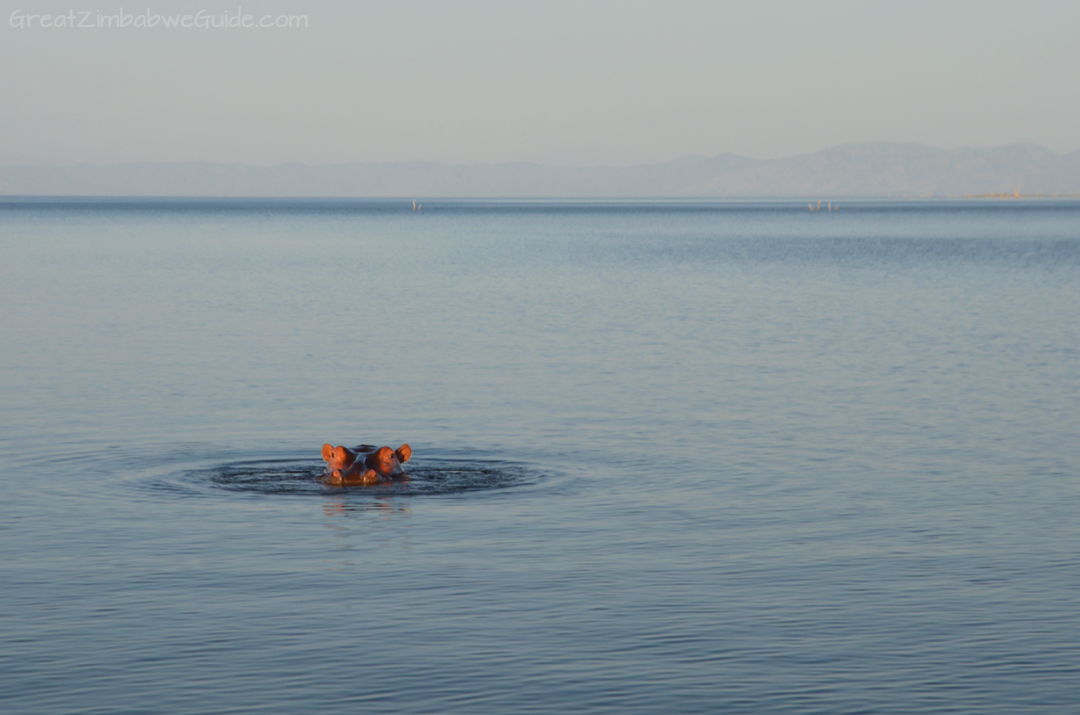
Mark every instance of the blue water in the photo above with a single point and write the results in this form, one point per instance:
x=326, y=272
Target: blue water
x=668, y=457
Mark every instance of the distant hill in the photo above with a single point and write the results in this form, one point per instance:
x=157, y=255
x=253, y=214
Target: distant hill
x=849, y=170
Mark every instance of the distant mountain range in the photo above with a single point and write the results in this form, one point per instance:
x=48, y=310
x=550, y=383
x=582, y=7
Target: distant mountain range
x=848, y=170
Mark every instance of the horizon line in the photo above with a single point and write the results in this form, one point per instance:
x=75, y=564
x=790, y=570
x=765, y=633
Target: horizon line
x=513, y=162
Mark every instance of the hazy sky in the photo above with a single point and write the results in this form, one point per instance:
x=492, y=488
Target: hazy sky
x=554, y=82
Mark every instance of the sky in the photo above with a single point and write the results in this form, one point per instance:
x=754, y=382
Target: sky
x=583, y=82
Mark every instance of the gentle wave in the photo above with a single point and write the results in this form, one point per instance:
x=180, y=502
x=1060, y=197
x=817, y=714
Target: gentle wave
x=300, y=477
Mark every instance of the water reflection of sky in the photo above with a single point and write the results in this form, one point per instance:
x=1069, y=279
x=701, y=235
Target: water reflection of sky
x=664, y=459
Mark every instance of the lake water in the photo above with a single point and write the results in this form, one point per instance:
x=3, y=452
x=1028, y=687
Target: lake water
x=668, y=457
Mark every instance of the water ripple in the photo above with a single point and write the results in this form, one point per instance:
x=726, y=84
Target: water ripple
x=294, y=477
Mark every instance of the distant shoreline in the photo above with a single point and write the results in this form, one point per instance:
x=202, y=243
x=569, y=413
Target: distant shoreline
x=873, y=170
x=436, y=203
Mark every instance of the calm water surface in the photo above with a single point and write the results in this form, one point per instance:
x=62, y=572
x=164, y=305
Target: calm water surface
x=669, y=457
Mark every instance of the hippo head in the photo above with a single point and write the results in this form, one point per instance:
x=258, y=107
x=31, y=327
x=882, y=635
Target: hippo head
x=338, y=457
x=386, y=461
x=364, y=465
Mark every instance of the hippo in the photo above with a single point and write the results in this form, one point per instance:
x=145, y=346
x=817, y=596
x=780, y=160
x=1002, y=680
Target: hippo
x=364, y=464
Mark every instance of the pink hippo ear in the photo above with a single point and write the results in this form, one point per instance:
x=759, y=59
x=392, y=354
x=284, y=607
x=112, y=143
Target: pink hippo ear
x=403, y=453
x=327, y=452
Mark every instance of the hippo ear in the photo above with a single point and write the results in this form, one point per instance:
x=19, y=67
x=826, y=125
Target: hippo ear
x=403, y=453
x=327, y=452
